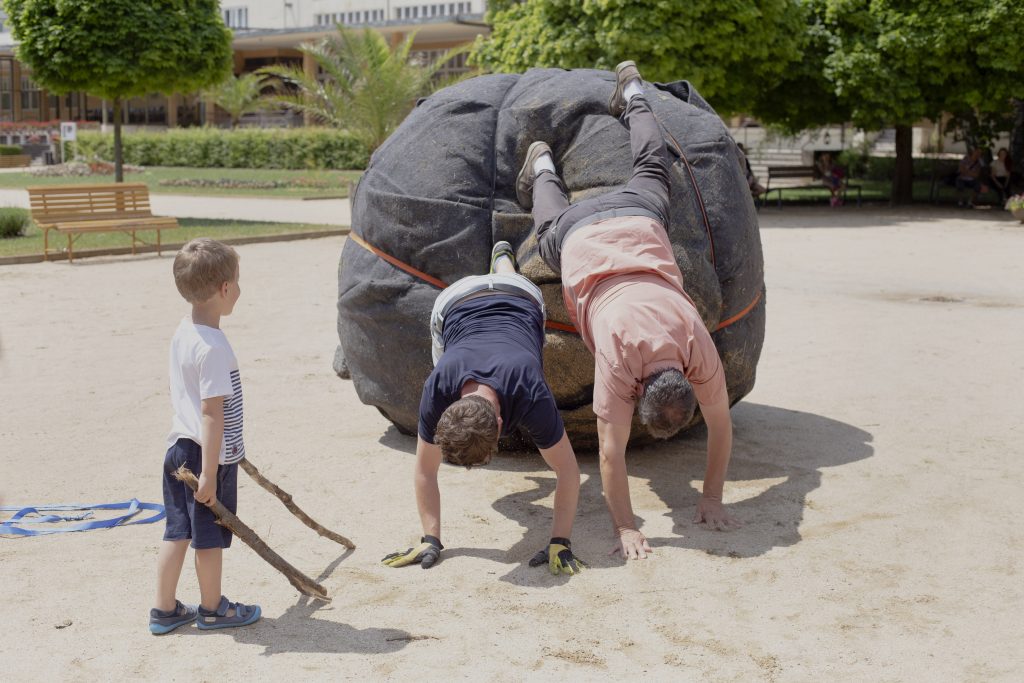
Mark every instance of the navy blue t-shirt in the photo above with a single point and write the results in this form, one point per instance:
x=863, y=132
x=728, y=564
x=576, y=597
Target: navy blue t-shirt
x=496, y=340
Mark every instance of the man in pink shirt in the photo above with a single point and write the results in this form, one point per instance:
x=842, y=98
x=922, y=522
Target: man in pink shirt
x=624, y=292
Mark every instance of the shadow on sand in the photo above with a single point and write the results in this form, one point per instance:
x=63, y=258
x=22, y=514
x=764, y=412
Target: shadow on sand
x=777, y=459
x=298, y=629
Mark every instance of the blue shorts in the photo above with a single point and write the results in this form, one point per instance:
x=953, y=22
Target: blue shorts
x=187, y=519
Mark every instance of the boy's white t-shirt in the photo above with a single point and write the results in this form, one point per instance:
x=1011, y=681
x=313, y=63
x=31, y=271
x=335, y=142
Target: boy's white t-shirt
x=204, y=366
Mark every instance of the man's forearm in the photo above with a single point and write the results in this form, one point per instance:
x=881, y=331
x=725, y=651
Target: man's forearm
x=428, y=500
x=612, y=440
x=562, y=460
x=567, y=495
x=616, y=491
x=719, y=452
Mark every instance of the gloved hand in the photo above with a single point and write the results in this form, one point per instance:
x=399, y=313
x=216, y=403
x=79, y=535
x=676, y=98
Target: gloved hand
x=426, y=554
x=559, y=558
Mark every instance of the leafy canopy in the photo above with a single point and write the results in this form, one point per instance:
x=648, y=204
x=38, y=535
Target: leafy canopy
x=727, y=48
x=880, y=63
x=121, y=48
x=895, y=62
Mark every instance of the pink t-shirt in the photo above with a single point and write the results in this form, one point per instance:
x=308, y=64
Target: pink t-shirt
x=624, y=292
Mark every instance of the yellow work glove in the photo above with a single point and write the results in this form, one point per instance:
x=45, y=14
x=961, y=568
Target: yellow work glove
x=426, y=554
x=559, y=558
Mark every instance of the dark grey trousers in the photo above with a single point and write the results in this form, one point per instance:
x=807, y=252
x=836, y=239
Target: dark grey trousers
x=645, y=194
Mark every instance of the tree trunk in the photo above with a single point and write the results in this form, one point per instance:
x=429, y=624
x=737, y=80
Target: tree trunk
x=903, y=176
x=1017, y=136
x=118, y=168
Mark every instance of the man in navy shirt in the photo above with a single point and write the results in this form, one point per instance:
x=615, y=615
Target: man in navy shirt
x=488, y=381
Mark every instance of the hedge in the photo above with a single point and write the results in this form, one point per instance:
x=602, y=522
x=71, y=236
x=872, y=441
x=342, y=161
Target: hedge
x=292, y=148
x=13, y=222
x=864, y=167
x=9, y=150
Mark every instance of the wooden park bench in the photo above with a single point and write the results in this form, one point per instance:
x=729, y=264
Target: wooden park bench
x=14, y=160
x=73, y=210
x=799, y=178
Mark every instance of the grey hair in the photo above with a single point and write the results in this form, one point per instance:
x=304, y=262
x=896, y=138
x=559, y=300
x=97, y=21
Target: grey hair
x=667, y=404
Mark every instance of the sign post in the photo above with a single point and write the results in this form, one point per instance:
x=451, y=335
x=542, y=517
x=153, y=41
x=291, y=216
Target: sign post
x=68, y=133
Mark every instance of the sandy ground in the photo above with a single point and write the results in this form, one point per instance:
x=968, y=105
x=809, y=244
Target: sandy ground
x=877, y=466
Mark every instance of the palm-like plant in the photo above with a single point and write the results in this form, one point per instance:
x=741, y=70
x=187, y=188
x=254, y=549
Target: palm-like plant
x=368, y=87
x=238, y=95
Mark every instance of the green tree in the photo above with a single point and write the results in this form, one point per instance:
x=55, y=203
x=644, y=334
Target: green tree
x=882, y=63
x=238, y=95
x=367, y=87
x=727, y=48
x=118, y=49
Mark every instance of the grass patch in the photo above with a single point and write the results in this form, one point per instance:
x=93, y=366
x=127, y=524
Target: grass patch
x=876, y=191
x=335, y=183
x=32, y=241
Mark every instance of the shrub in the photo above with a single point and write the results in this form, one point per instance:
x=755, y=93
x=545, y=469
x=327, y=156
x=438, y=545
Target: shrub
x=13, y=222
x=864, y=167
x=294, y=148
x=9, y=150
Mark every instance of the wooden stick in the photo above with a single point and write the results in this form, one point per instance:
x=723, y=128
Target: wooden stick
x=226, y=518
x=286, y=498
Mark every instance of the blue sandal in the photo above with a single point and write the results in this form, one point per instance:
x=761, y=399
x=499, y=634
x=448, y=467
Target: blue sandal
x=218, y=618
x=161, y=622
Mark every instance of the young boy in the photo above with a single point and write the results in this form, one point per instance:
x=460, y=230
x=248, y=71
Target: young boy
x=206, y=436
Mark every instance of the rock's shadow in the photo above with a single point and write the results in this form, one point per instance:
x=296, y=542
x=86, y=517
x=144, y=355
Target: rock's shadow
x=769, y=443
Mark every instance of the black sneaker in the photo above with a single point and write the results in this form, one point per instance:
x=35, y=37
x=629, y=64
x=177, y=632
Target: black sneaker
x=524, y=181
x=500, y=249
x=624, y=73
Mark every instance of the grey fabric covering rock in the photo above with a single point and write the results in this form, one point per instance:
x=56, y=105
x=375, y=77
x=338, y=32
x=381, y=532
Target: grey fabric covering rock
x=441, y=191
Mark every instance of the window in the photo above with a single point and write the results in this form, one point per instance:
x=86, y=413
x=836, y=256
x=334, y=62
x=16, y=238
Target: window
x=236, y=17
x=455, y=65
x=29, y=97
x=6, y=90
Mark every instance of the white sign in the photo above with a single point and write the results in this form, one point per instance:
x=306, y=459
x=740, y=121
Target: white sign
x=68, y=131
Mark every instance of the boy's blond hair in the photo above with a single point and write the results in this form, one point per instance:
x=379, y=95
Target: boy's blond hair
x=202, y=266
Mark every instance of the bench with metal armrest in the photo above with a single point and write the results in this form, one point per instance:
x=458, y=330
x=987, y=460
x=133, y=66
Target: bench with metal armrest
x=800, y=178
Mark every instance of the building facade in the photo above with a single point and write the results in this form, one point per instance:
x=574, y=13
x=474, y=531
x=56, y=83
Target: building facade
x=265, y=32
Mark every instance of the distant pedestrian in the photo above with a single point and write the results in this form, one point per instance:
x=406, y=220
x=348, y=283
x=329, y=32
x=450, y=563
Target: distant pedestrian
x=1002, y=172
x=968, y=179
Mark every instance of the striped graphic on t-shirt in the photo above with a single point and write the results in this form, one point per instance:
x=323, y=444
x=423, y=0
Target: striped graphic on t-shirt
x=234, y=447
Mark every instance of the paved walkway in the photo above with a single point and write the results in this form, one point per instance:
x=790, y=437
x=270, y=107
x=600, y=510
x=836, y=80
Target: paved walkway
x=274, y=210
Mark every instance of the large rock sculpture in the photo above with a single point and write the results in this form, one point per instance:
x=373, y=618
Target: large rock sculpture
x=441, y=191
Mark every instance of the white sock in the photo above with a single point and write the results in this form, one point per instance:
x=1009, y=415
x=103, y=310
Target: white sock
x=543, y=163
x=632, y=89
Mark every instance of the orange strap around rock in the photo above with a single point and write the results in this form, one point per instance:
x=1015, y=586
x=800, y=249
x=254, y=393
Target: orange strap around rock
x=550, y=324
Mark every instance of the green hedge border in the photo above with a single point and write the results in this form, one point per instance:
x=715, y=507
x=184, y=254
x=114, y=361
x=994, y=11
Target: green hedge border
x=290, y=148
